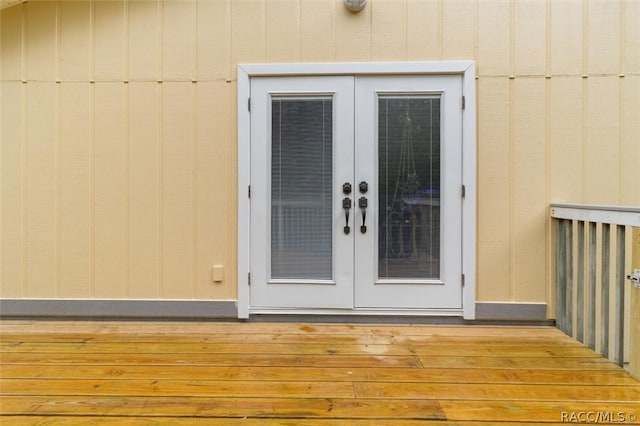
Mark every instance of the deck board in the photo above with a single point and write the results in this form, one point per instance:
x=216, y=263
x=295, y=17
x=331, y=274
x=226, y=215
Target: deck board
x=615, y=377
x=195, y=373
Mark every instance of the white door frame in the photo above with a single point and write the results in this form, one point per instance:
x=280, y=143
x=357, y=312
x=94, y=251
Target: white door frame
x=464, y=68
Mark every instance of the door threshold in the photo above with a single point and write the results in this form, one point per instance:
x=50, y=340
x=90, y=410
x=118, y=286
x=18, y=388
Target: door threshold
x=358, y=312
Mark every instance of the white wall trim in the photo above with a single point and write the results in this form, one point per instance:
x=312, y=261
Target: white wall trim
x=244, y=203
x=464, y=68
x=469, y=179
x=359, y=68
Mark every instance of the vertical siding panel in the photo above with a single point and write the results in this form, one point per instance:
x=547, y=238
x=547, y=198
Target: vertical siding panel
x=11, y=185
x=212, y=169
x=41, y=40
x=458, y=21
x=231, y=194
x=566, y=37
x=423, y=27
x=11, y=43
x=630, y=142
x=317, y=31
x=214, y=30
x=75, y=40
x=282, y=31
x=388, y=28
x=75, y=224
x=353, y=33
x=144, y=196
x=493, y=200
x=493, y=41
x=566, y=144
x=530, y=37
x=529, y=209
x=604, y=37
x=177, y=39
x=602, y=144
x=247, y=31
x=109, y=40
x=177, y=191
x=631, y=42
x=109, y=160
x=40, y=191
x=143, y=40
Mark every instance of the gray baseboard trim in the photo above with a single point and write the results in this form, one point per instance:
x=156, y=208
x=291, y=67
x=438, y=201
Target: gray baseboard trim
x=115, y=308
x=201, y=309
x=511, y=311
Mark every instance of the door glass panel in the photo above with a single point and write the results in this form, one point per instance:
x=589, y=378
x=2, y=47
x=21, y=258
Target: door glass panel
x=301, y=187
x=409, y=187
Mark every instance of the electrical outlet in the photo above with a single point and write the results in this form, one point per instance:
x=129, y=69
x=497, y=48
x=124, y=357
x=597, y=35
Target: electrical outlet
x=217, y=273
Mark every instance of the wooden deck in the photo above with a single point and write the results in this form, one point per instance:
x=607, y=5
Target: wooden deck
x=147, y=373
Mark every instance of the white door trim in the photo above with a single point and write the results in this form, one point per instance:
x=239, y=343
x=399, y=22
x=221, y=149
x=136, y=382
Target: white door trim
x=464, y=68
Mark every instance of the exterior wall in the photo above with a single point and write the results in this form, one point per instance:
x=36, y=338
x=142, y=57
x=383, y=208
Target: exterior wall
x=119, y=164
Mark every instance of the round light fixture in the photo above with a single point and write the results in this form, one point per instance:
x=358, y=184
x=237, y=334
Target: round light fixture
x=355, y=5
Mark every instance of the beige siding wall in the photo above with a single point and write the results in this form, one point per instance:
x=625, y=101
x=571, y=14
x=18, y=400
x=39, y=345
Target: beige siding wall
x=119, y=164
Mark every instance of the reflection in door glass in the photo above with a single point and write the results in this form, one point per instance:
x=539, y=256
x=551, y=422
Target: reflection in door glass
x=409, y=187
x=301, y=188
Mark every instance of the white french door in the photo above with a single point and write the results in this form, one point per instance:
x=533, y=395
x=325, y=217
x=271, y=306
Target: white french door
x=408, y=149
x=301, y=152
x=356, y=193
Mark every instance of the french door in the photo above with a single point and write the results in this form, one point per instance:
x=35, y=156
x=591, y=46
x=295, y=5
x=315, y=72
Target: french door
x=356, y=193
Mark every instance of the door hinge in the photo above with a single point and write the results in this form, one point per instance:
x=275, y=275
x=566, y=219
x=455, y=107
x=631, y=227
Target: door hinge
x=462, y=279
x=249, y=191
x=249, y=278
x=463, y=191
x=464, y=103
x=249, y=104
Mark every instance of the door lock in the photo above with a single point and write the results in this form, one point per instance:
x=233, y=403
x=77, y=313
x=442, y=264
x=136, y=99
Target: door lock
x=364, y=187
x=346, y=188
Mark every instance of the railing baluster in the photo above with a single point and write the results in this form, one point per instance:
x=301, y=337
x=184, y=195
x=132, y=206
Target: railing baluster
x=569, y=289
x=604, y=289
x=580, y=283
x=561, y=274
x=591, y=287
x=619, y=296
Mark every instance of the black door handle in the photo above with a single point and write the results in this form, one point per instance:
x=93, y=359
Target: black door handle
x=346, y=205
x=362, y=203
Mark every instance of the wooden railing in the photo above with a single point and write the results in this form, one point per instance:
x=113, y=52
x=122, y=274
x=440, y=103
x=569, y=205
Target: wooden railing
x=593, y=250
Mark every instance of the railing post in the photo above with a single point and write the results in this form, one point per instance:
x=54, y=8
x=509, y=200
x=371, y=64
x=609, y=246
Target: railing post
x=634, y=354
